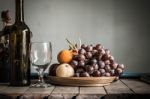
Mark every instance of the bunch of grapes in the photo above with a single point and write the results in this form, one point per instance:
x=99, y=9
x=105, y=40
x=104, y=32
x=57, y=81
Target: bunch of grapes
x=95, y=61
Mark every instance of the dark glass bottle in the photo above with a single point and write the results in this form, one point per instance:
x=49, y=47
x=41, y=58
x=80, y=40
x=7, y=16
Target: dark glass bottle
x=20, y=49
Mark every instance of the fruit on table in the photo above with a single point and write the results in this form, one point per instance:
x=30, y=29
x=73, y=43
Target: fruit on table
x=52, y=69
x=95, y=61
x=64, y=70
x=65, y=56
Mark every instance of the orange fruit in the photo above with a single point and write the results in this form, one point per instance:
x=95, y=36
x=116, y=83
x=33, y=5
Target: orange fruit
x=65, y=56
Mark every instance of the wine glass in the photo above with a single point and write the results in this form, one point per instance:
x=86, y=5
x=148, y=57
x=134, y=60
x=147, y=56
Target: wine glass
x=41, y=56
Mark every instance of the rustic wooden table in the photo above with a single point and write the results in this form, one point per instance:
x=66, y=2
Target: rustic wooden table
x=123, y=88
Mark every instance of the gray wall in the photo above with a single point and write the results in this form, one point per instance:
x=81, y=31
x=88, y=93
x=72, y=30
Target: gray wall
x=123, y=26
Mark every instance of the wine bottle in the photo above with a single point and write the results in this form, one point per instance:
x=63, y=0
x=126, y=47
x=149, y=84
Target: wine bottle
x=20, y=49
x=4, y=47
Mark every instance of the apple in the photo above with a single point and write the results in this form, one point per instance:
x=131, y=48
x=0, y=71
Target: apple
x=64, y=70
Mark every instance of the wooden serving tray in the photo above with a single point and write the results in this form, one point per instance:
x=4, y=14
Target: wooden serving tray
x=81, y=81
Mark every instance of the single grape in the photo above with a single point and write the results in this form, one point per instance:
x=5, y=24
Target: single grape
x=114, y=65
x=93, y=61
x=82, y=51
x=88, y=55
x=95, y=66
x=107, y=62
x=119, y=71
x=96, y=74
x=89, y=69
x=107, y=51
x=89, y=48
x=84, y=74
x=83, y=46
x=112, y=72
x=107, y=74
x=107, y=68
x=111, y=58
x=81, y=63
x=101, y=64
x=81, y=57
x=105, y=57
x=94, y=52
x=102, y=71
x=74, y=63
x=98, y=47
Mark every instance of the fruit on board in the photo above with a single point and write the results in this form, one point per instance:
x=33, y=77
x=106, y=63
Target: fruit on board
x=64, y=70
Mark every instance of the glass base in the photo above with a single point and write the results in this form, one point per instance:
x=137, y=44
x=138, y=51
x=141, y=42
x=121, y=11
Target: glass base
x=40, y=85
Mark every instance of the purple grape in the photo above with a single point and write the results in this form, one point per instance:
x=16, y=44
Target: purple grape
x=98, y=47
x=101, y=52
x=105, y=57
x=74, y=63
x=82, y=51
x=93, y=61
x=94, y=52
x=101, y=64
x=81, y=63
x=81, y=57
x=96, y=74
x=107, y=74
x=102, y=71
x=83, y=46
x=84, y=74
x=111, y=59
x=114, y=65
x=107, y=62
x=119, y=71
x=95, y=66
x=88, y=55
x=89, y=48
x=112, y=72
x=107, y=51
x=107, y=68
x=89, y=69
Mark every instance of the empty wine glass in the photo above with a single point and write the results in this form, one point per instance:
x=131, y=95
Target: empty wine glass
x=41, y=56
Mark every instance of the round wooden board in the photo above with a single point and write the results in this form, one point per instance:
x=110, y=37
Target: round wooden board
x=81, y=81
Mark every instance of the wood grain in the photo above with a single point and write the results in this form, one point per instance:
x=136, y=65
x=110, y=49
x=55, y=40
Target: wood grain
x=14, y=92
x=3, y=86
x=117, y=88
x=81, y=81
x=92, y=90
x=91, y=93
x=64, y=92
x=137, y=86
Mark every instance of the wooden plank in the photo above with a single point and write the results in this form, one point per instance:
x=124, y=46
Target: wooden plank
x=64, y=92
x=117, y=88
x=92, y=90
x=91, y=93
x=37, y=93
x=14, y=91
x=137, y=86
x=3, y=86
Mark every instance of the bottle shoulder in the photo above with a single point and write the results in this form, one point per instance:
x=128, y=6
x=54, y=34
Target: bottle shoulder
x=20, y=26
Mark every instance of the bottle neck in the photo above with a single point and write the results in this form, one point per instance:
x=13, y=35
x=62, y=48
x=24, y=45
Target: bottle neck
x=19, y=11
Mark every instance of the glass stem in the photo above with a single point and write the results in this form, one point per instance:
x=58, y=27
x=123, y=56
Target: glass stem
x=41, y=74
